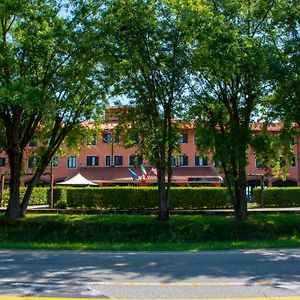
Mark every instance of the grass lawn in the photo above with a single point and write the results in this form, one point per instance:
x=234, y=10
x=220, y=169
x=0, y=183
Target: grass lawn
x=141, y=233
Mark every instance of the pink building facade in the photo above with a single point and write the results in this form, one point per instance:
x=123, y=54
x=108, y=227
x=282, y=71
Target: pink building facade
x=106, y=162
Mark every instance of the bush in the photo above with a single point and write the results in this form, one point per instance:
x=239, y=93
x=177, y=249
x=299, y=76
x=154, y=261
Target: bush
x=40, y=196
x=130, y=197
x=199, y=198
x=59, y=194
x=61, y=204
x=278, y=197
x=142, y=197
x=84, y=197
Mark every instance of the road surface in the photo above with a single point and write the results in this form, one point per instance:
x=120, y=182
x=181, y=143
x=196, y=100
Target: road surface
x=213, y=274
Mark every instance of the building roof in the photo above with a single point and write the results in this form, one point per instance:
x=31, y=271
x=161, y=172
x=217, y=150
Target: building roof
x=118, y=174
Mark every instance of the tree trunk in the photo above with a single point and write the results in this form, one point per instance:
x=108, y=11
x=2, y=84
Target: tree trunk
x=28, y=193
x=15, y=162
x=163, y=214
x=240, y=209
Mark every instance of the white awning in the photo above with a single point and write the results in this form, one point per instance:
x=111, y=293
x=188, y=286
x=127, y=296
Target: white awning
x=77, y=180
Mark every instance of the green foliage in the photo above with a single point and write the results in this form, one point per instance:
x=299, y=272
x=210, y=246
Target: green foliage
x=198, y=198
x=274, y=151
x=284, y=103
x=145, y=47
x=143, y=198
x=230, y=69
x=84, y=197
x=59, y=194
x=146, y=229
x=278, y=197
x=51, y=83
x=61, y=204
x=40, y=196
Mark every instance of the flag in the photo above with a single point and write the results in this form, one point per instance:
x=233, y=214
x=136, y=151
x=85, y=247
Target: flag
x=144, y=172
x=133, y=175
x=154, y=171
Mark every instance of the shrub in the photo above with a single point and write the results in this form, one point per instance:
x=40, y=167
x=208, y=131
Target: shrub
x=142, y=197
x=40, y=196
x=199, y=198
x=131, y=197
x=278, y=197
x=84, y=197
x=59, y=194
x=61, y=204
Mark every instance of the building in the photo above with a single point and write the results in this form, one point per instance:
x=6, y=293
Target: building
x=106, y=162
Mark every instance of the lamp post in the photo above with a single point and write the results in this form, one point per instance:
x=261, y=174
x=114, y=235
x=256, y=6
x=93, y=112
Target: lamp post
x=2, y=190
x=51, y=184
x=262, y=190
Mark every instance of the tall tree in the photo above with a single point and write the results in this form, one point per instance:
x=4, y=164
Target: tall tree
x=145, y=49
x=231, y=75
x=50, y=83
x=285, y=102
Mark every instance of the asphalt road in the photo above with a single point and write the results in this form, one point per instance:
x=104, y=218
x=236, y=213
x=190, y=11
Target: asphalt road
x=214, y=274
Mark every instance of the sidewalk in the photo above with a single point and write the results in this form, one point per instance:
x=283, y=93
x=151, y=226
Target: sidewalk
x=44, y=209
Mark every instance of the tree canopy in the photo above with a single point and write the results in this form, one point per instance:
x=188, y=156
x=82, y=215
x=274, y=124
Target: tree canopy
x=50, y=83
x=145, y=49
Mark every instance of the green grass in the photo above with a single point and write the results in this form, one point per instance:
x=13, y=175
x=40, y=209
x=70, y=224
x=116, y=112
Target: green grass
x=143, y=233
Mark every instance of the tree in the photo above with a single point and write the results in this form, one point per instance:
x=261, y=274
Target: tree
x=231, y=76
x=145, y=50
x=285, y=102
x=50, y=83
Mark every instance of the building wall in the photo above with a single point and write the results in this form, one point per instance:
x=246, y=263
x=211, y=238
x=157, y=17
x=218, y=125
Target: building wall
x=101, y=150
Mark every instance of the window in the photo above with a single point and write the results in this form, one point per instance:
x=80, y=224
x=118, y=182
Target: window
x=55, y=161
x=107, y=161
x=92, y=141
x=32, y=162
x=183, y=160
x=72, y=161
x=2, y=161
x=135, y=160
x=183, y=138
x=92, y=161
x=200, y=161
x=118, y=160
x=293, y=162
x=173, y=161
x=107, y=138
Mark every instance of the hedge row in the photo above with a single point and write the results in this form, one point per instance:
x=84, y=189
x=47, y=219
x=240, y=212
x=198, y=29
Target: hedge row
x=278, y=197
x=131, y=197
x=40, y=195
x=145, y=198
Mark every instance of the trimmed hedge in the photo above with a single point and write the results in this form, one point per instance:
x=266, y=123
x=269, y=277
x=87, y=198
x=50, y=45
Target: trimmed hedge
x=40, y=196
x=198, y=198
x=143, y=198
x=130, y=197
x=278, y=197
